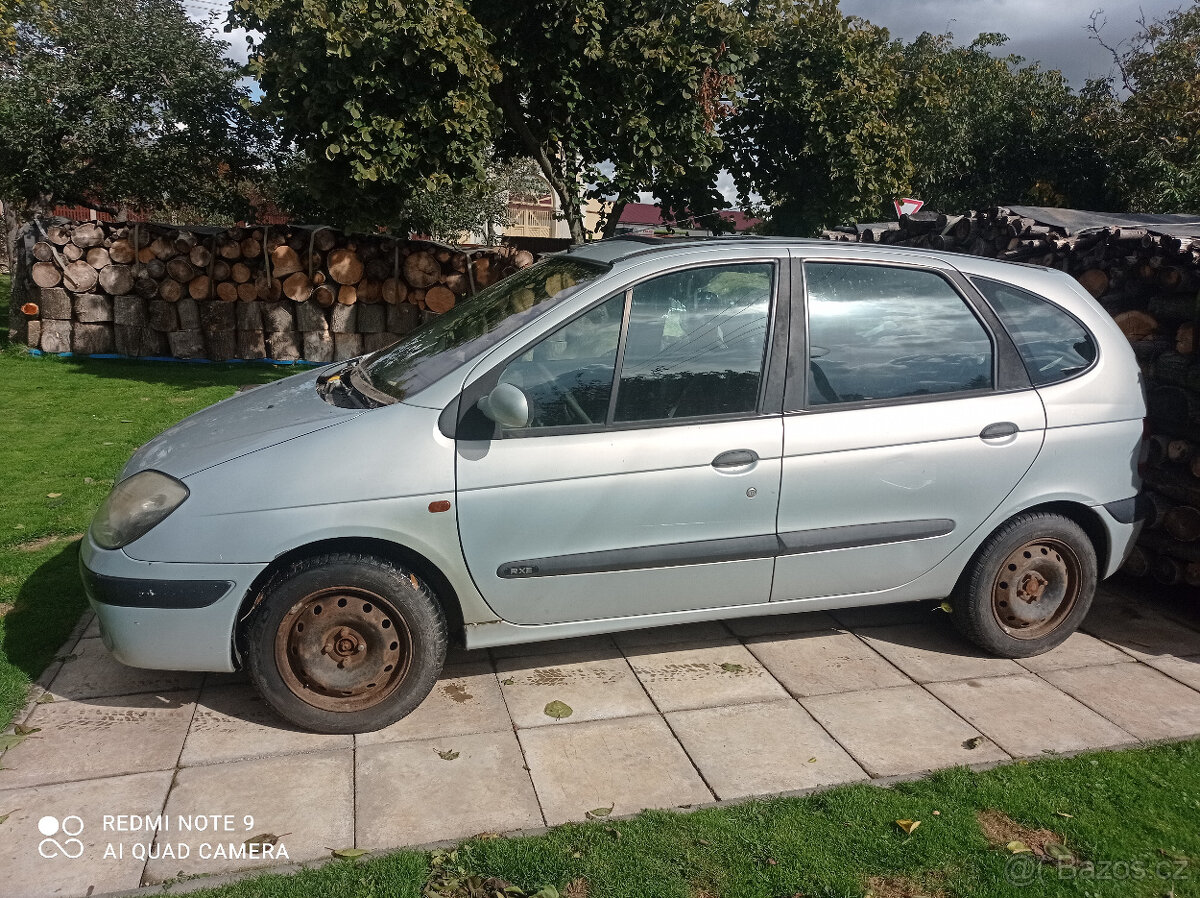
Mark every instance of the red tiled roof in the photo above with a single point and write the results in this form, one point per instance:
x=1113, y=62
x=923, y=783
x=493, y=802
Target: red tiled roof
x=649, y=215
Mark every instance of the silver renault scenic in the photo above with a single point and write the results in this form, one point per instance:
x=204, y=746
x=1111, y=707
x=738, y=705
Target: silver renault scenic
x=632, y=434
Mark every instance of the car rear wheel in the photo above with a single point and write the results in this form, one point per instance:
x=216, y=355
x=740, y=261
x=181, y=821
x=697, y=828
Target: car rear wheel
x=1028, y=587
x=346, y=643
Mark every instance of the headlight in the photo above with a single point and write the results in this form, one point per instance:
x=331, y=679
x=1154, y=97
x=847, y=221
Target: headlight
x=134, y=507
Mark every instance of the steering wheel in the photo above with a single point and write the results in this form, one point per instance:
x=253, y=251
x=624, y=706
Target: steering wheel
x=567, y=396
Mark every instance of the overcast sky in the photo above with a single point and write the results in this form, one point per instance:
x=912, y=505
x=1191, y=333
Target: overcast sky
x=1053, y=33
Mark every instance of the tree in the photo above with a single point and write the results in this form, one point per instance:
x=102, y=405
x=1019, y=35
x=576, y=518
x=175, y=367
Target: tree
x=1153, y=133
x=118, y=102
x=986, y=129
x=820, y=135
x=385, y=102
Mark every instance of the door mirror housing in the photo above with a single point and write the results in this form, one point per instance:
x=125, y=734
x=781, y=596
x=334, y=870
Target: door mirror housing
x=507, y=405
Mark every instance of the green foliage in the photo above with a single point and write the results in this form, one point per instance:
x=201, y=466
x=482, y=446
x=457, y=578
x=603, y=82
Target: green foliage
x=986, y=129
x=119, y=102
x=1154, y=133
x=381, y=100
x=384, y=101
x=821, y=135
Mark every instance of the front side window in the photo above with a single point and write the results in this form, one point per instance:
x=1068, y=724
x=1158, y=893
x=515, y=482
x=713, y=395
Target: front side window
x=691, y=344
x=879, y=332
x=1053, y=345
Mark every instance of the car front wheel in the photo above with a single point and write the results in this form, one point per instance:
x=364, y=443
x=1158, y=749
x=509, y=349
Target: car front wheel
x=345, y=643
x=1028, y=587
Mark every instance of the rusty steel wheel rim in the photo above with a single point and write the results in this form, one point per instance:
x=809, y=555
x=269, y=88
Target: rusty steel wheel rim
x=343, y=649
x=1036, y=588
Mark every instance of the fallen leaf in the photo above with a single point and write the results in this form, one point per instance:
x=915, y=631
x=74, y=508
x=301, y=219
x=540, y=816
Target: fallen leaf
x=53, y=495
x=348, y=854
x=596, y=813
x=558, y=710
x=937, y=813
x=44, y=699
x=1065, y=814
x=812, y=760
x=263, y=839
x=1018, y=848
x=973, y=743
x=908, y=825
x=447, y=755
x=22, y=730
x=10, y=740
x=486, y=836
x=1060, y=853
x=732, y=668
x=945, y=606
x=509, y=682
x=88, y=480
x=771, y=862
x=576, y=854
x=4, y=817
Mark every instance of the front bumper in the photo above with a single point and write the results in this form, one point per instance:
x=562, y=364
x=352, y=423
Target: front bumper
x=165, y=616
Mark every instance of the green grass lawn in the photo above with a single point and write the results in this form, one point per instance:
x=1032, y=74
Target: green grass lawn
x=66, y=429
x=1132, y=815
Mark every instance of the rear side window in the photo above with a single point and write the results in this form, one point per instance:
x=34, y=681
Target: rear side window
x=878, y=332
x=1053, y=345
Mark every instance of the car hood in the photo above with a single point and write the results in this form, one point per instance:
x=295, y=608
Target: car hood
x=244, y=423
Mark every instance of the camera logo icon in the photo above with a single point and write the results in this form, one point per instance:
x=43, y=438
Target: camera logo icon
x=70, y=827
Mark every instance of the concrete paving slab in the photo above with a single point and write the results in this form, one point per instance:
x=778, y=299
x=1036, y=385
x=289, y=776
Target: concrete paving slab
x=704, y=676
x=1185, y=670
x=748, y=750
x=627, y=764
x=885, y=615
x=1080, y=650
x=465, y=699
x=779, y=624
x=232, y=723
x=703, y=631
x=1141, y=631
x=825, y=661
x=306, y=800
x=596, y=685
x=579, y=646
x=63, y=867
x=1137, y=698
x=899, y=731
x=99, y=738
x=94, y=673
x=1027, y=717
x=932, y=652
x=409, y=795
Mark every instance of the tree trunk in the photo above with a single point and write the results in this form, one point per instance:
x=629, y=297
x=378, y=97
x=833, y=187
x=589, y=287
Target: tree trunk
x=614, y=217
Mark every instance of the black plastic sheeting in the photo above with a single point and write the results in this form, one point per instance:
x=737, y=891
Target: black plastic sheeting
x=1074, y=221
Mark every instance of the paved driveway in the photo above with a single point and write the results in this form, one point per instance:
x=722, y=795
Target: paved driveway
x=660, y=718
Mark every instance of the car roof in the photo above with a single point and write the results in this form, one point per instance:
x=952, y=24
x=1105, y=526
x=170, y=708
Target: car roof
x=618, y=249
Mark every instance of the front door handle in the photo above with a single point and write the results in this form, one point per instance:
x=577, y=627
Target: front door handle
x=999, y=430
x=735, y=458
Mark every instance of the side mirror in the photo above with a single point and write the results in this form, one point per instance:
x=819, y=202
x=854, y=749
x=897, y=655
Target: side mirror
x=507, y=405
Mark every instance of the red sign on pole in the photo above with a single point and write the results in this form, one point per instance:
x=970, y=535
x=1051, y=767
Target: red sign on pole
x=907, y=206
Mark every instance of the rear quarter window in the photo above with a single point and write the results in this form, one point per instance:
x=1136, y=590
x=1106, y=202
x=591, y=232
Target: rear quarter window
x=1053, y=344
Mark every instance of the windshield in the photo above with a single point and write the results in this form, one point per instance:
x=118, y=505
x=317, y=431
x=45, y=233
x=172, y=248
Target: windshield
x=428, y=354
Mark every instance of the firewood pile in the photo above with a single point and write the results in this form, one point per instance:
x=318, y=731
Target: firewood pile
x=1146, y=274
x=282, y=293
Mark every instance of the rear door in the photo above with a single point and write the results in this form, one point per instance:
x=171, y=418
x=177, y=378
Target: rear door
x=647, y=478
x=909, y=420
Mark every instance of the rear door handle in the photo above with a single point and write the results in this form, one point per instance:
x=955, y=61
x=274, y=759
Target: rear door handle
x=735, y=458
x=998, y=430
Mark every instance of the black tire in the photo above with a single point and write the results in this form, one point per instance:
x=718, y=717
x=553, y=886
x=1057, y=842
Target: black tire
x=1028, y=587
x=345, y=643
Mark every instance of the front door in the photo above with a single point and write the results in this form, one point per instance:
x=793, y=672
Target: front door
x=905, y=437
x=647, y=477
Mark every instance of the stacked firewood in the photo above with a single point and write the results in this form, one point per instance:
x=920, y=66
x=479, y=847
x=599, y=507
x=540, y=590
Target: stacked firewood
x=283, y=293
x=1148, y=282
